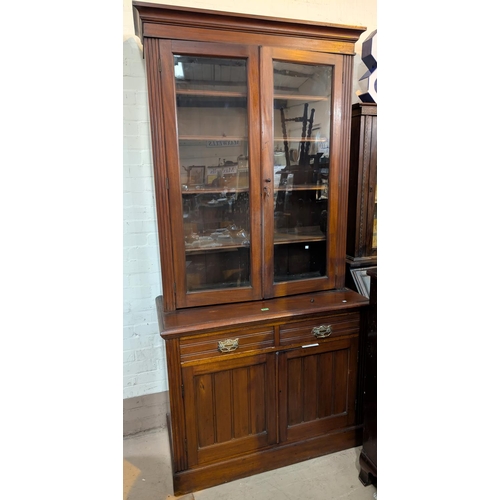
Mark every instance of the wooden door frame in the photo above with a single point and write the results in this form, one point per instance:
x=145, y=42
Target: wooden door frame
x=167, y=48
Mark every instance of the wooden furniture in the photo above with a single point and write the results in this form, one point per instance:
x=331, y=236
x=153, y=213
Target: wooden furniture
x=368, y=456
x=287, y=393
x=361, y=246
x=250, y=121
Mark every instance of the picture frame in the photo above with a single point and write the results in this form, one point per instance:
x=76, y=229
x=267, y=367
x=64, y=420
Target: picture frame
x=196, y=175
x=362, y=280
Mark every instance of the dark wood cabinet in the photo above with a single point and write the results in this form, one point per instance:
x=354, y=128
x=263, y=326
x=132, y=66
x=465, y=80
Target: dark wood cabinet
x=368, y=456
x=262, y=384
x=361, y=248
x=250, y=126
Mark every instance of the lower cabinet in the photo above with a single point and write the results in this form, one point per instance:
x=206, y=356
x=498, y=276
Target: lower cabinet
x=230, y=407
x=317, y=389
x=251, y=396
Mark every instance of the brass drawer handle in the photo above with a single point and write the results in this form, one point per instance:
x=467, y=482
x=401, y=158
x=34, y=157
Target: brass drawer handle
x=228, y=345
x=320, y=332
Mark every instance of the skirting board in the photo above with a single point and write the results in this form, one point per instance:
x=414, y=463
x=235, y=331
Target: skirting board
x=144, y=413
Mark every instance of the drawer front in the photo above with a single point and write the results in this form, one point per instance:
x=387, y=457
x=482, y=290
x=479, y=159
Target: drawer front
x=320, y=329
x=225, y=343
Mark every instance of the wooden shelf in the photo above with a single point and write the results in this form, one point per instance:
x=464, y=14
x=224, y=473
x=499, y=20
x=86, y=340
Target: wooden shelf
x=298, y=139
x=210, y=93
x=308, y=235
x=211, y=138
x=224, y=247
x=298, y=187
x=297, y=97
x=213, y=190
x=214, y=99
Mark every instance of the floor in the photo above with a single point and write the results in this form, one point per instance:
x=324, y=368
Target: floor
x=146, y=476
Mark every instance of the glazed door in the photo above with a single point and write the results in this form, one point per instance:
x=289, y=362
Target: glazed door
x=230, y=407
x=211, y=119
x=317, y=389
x=369, y=249
x=362, y=213
x=302, y=109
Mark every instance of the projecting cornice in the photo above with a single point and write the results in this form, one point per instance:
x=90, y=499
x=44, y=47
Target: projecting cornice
x=165, y=21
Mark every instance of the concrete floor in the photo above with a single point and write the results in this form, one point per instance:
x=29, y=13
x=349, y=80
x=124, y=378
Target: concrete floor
x=147, y=476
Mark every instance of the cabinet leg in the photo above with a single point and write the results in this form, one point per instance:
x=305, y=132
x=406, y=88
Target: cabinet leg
x=365, y=477
x=367, y=472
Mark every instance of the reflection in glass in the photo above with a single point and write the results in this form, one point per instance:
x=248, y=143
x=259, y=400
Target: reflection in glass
x=302, y=114
x=211, y=97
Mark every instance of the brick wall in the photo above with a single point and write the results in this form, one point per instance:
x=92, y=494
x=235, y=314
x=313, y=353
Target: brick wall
x=144, y=369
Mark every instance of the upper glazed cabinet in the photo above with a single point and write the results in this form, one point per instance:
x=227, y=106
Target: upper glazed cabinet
x=250, y=123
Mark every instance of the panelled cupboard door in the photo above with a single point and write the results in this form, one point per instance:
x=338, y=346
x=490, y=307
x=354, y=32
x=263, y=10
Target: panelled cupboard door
x=230, y=407
x=317, y=389
x=303, y=103
x=211, y=113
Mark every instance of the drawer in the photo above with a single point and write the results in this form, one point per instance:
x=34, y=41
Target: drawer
x=207, y=346
x=321, y=328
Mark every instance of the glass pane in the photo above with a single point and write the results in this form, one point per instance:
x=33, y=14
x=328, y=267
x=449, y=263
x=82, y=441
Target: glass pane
x=212, y=118
x=302, y=113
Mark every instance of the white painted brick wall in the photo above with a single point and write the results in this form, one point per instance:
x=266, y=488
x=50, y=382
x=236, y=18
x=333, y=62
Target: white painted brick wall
x=144, y=369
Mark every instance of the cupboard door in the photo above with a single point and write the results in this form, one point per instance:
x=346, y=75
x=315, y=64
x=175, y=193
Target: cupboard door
x=230, y=407
x=317, y=389
x=211, y=112
x=302, y=109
